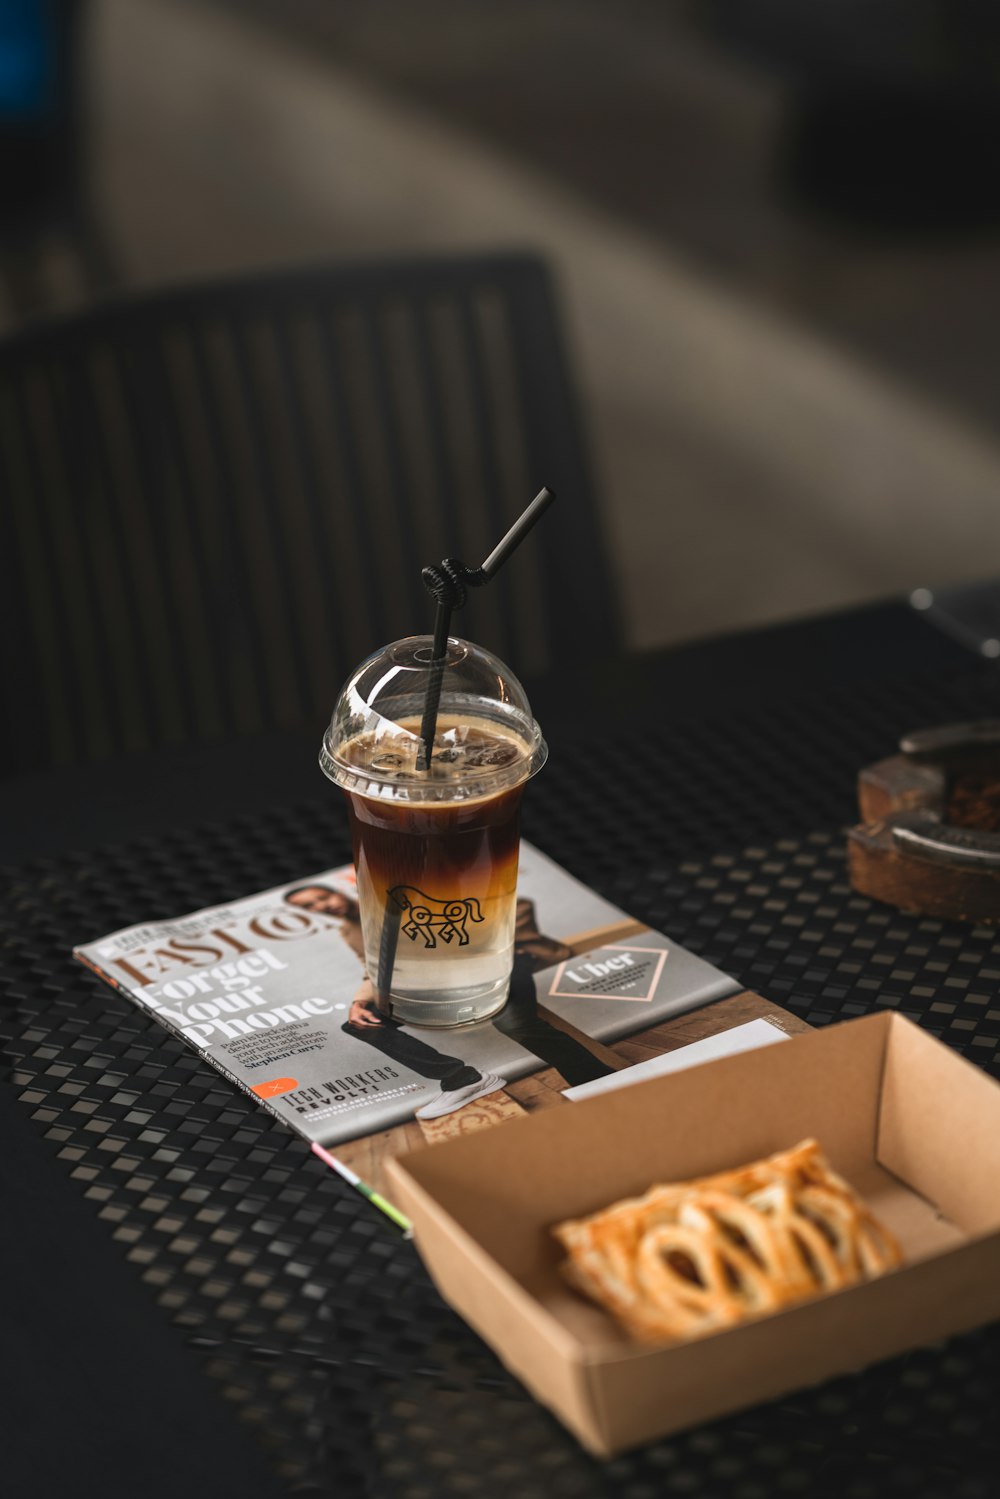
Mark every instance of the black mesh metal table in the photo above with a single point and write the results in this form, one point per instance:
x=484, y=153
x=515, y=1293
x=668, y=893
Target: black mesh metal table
x=314, y=1318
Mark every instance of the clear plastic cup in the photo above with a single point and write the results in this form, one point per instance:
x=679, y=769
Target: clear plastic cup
x=436, y=848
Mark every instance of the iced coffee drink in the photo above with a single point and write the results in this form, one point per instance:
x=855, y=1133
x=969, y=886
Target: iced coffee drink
x=435, y=842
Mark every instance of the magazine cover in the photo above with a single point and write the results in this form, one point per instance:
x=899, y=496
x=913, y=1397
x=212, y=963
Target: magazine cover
x=271, y=990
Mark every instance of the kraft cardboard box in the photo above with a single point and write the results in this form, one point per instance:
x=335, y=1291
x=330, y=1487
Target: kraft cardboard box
x=912, y=1126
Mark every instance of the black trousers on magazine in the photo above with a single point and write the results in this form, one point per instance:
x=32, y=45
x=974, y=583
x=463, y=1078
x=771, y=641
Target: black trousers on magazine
x=519, y=1019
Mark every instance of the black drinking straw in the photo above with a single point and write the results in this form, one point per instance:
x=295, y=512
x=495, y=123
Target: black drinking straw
x=388, y=943
x=448, y=584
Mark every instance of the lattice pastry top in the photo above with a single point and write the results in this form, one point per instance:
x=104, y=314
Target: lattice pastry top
x=699, y=1255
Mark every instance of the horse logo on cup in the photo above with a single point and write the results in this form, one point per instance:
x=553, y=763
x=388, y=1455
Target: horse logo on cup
x=430, y=918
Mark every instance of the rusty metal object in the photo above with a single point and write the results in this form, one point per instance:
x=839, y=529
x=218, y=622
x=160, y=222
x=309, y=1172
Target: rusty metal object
x=929, y=840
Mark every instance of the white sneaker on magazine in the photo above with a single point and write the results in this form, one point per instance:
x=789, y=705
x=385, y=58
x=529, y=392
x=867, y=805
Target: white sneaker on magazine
x=447, y=1103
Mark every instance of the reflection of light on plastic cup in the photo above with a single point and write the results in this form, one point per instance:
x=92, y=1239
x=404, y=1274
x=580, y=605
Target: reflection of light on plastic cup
x=435, y=850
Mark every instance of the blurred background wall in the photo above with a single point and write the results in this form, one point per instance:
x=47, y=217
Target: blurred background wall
x=776, y=228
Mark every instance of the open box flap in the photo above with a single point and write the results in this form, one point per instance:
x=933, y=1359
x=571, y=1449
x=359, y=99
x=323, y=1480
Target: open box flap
x=939, y=1127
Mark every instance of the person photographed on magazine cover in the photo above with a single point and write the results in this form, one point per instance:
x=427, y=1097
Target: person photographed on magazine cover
x=519, y=1020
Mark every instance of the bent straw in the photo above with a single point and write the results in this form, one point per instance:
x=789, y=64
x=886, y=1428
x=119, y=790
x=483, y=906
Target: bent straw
x=448, y=584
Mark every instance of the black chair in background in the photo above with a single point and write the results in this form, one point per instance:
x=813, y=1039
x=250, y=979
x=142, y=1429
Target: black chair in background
x=216, y=499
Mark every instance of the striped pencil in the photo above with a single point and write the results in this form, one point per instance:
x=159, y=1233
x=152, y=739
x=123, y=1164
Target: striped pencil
x=375, y=1198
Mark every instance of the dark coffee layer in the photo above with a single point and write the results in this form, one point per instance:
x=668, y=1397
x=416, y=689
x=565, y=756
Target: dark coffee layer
x=449, y=851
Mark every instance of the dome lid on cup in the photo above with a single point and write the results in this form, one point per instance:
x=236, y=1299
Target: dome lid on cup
x=486, y=741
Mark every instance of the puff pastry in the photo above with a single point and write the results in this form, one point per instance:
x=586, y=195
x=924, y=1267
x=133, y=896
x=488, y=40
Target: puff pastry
x=696, y=1256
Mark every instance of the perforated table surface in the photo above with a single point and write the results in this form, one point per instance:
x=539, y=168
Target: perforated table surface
x=314, y=1319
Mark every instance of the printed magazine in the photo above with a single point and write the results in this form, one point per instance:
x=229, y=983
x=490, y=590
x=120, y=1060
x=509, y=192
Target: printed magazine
x=270, y=990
